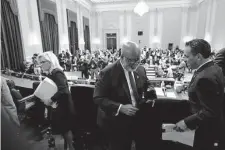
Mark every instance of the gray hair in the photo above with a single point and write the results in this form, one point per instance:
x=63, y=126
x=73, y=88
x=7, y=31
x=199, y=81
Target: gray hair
x=130, y=47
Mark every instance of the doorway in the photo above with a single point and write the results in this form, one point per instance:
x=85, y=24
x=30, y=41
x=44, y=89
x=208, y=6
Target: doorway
x=111, y=41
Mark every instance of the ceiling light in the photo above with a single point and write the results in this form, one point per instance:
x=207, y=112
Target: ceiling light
x=141, y=8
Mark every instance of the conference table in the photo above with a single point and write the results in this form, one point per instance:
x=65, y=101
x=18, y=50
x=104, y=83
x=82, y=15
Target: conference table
x=28, y=84
x=185, y=138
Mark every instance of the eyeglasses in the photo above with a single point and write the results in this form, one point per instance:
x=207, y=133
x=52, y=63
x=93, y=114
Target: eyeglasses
x=134, y=61
x=42, y=62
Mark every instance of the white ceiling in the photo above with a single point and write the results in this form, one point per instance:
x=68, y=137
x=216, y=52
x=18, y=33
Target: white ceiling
x=112, y=1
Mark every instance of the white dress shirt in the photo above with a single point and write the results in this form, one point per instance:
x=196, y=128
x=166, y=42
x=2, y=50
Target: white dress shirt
x=130, y=88
x=203, y=64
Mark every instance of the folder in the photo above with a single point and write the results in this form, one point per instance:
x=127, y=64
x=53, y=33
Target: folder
x=46, y=89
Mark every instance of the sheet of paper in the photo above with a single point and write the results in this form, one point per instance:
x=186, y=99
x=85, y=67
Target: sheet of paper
x=159, y=92
x=46, y=89
x=171, y=94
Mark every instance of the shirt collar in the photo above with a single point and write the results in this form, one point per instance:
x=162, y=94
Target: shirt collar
x=122, y=65
x=203, y=64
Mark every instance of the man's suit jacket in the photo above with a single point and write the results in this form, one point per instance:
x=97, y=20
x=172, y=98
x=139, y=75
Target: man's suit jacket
x=220, y=59
x=206, y=96
x=112, y=90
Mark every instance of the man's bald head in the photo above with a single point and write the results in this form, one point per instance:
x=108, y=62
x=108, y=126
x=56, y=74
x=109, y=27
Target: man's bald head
x=130, y=50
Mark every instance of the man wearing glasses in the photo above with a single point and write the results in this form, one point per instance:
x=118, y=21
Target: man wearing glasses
x=118, y=93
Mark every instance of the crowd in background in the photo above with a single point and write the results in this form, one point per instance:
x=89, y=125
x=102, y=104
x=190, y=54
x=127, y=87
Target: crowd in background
x=167, y=63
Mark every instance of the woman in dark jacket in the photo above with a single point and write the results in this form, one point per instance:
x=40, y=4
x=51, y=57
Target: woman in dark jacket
x=62, y=115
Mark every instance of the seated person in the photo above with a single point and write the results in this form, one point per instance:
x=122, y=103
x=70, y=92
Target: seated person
x=16, y=96
x=8, y=105
x=170, y=73
x=33, y=65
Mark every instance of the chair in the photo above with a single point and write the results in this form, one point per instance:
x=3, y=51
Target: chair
x=86, y=115
x=151, y=119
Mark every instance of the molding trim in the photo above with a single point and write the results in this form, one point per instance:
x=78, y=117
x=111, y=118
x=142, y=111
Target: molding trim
x=130, y=6
x=86, y=3
x=200, y=1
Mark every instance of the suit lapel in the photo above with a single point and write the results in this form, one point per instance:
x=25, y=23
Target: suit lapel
x=119, y=78
x=125, y=87
x=210, y=63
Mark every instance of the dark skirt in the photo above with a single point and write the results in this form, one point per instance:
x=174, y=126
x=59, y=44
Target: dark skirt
x=61, y=118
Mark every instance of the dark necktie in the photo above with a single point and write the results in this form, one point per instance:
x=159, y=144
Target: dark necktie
x=133, y=86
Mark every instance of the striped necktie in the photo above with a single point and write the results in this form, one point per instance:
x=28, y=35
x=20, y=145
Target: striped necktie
x=133, y=86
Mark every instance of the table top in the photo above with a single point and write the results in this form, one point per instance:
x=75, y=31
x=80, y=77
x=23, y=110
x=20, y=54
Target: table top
x=161, y=79
x=170, y=93
x=20, y=82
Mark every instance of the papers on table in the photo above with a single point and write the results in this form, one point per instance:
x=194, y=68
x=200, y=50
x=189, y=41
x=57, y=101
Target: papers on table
x=159, y=92
x=171, y=95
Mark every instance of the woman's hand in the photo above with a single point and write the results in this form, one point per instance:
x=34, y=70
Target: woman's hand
x=48, y=102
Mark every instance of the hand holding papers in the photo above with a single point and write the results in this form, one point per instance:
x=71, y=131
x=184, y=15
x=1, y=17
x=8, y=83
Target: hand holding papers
x=169, y=127
x=181, y=126
x=46, y=89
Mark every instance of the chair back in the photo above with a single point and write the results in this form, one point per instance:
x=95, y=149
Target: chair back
x=86, y=109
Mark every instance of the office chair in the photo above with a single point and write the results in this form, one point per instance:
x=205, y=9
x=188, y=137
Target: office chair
x=86, y=130
x=164, y=111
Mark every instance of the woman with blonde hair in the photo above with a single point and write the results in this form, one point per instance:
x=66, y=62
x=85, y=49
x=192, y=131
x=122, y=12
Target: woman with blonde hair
x=63, y=114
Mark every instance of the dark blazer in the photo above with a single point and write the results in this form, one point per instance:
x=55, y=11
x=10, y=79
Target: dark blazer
x=112, y=90
x=63, y=95
x=206, y=96
x=220, y=60
x=62, y=118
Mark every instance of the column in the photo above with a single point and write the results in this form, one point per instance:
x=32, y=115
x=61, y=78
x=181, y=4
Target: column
x=92, y=30
x=208, y=36
x=196, y=23
x=184, y=33
x=160, y=27
x=100, y=30
x=128, y=25
x=30, y=28
x=152, y=28
x=80, y=28
x=213, y=17
x=121, y=27
x=90, y=27
x=62, y=25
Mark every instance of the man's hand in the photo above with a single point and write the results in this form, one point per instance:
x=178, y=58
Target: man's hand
x=128, y=110
x=181, y=126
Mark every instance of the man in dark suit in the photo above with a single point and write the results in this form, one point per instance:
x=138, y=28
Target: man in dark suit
x=220, y=61
x=118, y=93
x=206, y=97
